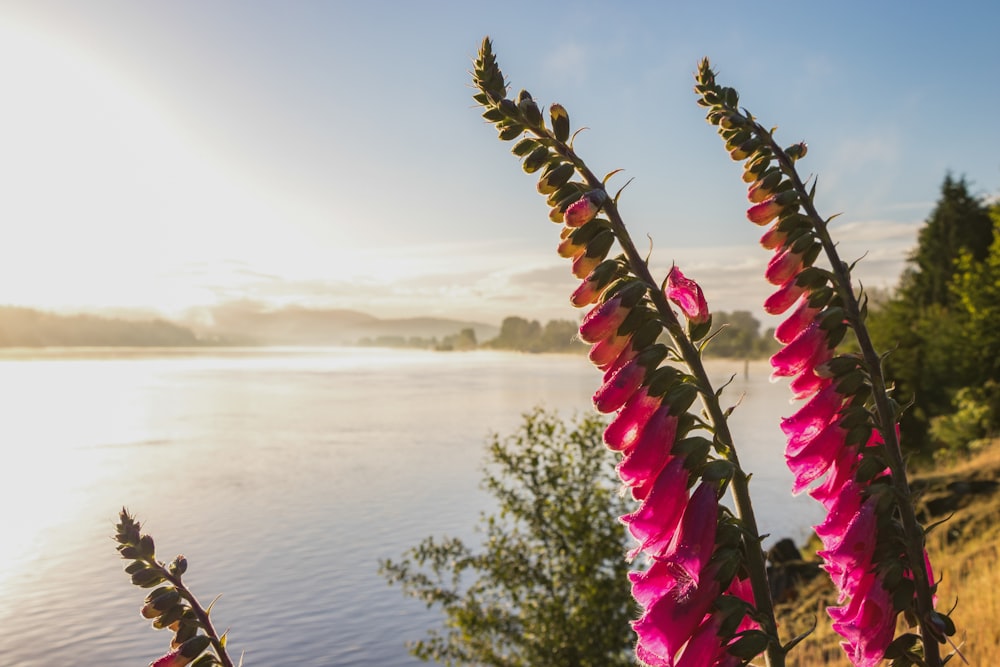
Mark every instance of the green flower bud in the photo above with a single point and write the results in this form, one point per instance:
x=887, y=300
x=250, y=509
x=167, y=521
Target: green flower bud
x=510, y=131
x=560, y=122
x=146, y=546
x=535, y=160
x=178, y=566
x=147, y=578
x=524, y=146
x=195, y=646
x=555, y=178
x=797, y=151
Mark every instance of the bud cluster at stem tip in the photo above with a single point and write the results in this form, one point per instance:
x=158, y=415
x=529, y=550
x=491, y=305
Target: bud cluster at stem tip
x=168, y=605
x=835, y=440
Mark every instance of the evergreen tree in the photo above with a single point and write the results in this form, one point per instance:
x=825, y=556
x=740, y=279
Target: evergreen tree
x=924, y=325
x=960, y=223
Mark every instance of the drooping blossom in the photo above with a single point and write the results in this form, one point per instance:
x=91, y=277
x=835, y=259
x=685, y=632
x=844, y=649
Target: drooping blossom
x=604, y=319
x=622, y=432
x=687, y=294
x=783, y=266
x=653, y=525
x=867, y=623
x=783, y=298
x=580, y=212
x=172, y=659
x=764, y=212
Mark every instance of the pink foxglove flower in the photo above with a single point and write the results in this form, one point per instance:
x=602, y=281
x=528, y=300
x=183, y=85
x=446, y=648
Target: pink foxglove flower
x=673, y=614
x=620, y=387
x=783, y=299
x=687, y=295
x=773, y=238
x=583, y=264
x=580, y=212
x=654, y=523
x=649, y=454
x=764, y=212
x=587, y=293
x=808, y=350
x=172, y=659
x=604, y=352
x=626, y=426
x=794, y=324
x=604, y=319
x=694, y=539
x=784, y=265
x=867, y=623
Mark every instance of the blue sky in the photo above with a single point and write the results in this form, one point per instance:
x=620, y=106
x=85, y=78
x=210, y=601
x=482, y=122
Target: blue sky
x=166, y=156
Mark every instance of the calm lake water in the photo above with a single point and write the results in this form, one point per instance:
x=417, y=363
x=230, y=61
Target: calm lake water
x=283, y=475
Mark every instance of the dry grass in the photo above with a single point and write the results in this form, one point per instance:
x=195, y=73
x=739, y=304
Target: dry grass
x=965, y=550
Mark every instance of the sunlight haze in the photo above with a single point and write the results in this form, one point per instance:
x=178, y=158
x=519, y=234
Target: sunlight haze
x=176, y=156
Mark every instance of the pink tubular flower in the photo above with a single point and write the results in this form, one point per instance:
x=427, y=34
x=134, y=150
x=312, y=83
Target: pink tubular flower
x=783, y=299
x=795, y=323
x=604, y=352
x=694, y=539
x=867, y=623
x=620, y=387
x=603, y=320
x=773, y=238
x=580, y=212
x=848, y=554
x=587, y=293
x=807, y=384
x=784, y=265
x=841, y=474
x=583, y=264
x=817, y=412
x=764, y=212
x=673, y=612
x=807, y=351
x=687, y=295
x=812, y=460
x=654, y=523
x=649, y=454
x=172, y=659
x=626, y=426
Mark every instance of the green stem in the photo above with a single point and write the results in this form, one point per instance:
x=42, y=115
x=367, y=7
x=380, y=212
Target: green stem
x=199, y=611
x=913, y=533
x=756, y=564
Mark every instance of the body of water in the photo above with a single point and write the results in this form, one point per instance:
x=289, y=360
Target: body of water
x=283, y=475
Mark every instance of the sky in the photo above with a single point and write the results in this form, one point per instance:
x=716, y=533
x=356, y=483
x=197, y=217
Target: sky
x=168, y=157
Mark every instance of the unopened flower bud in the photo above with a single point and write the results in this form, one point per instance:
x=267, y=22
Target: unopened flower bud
x=764, y=187
x=797, y=151
x=555, y=178
x=560, y=122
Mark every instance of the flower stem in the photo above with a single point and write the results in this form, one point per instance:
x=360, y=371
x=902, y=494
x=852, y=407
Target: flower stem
x=914, y=534
x=755, y=561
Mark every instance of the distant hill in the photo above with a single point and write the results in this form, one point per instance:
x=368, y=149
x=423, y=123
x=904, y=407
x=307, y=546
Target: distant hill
x=224, y=325
x=303, y=326
x=25, y=327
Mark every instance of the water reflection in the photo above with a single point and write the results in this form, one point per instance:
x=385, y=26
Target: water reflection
x=283, y=475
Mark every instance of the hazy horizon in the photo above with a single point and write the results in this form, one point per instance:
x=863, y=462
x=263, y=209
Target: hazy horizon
x=172, y=157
